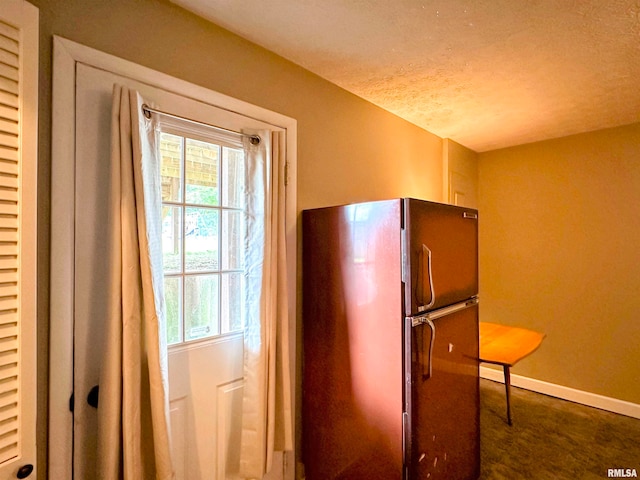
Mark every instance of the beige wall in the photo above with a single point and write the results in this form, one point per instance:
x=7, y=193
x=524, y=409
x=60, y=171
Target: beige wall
x=560, y=253
x=348, y=149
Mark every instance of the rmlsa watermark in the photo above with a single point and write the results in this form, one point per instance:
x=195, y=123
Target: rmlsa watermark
x=622, y=473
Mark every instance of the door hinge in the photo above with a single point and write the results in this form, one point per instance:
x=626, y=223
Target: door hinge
x=71, y=403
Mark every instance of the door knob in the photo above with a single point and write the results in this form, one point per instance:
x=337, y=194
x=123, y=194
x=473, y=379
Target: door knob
x=24, y=471
x=92, y=398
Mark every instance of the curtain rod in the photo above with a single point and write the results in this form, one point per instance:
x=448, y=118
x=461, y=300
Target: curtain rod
x=147, y=111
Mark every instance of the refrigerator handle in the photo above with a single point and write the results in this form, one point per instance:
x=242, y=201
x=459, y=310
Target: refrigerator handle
x=432, y=327
x=426, y=257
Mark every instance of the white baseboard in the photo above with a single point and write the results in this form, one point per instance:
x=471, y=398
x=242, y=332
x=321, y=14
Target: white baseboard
x=578, y=396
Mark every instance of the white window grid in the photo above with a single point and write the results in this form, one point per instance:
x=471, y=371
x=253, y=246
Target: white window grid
x=182, y=207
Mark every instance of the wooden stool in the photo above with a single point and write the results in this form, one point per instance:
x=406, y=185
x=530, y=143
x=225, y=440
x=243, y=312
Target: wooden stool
x=504, y=345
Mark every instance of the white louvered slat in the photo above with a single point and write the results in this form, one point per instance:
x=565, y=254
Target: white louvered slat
x=9, y=140
x=9, y=112
x=9, y=221
x=9, y=439
x=9, y=425
x=8, y=335
x=8, y=303
x=8, y=289
x=9, y=234
x=9, y=44
x=8, y=389
x=8, y=165
x=9, y=126
x=8, y=319
x=9, y=452
x=8, y=210
x=9, y=360
x=9, y=161
x=7, y=276
x=8, y=371
x=9, y=392
x=9, y=85
x=8, y=400
x=9, y=181
x=8, y=249
x=10, y=195
x=9, y=447
x=8, y=355
x=9, y=72
x=8, y=99
x=9, y=31
x=8, y=58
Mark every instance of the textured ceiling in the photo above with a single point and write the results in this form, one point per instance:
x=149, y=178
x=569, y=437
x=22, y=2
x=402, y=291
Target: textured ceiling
x=485, y=73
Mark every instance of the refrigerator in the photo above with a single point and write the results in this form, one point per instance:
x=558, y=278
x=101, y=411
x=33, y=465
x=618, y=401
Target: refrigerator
x=390, y=352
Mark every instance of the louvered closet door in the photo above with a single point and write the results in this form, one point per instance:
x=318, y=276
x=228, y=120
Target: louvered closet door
x=18, y=123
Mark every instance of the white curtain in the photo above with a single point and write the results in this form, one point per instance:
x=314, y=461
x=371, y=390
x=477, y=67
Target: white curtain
x=133, y=432
x=266, y=414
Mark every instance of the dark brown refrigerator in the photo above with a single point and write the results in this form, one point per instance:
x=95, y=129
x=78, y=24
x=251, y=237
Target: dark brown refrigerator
x=390, y=326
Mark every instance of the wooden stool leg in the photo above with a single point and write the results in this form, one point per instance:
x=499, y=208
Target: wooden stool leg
x=507, y=384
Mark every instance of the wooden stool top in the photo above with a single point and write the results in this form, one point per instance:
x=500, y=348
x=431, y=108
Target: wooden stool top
x=504, y=345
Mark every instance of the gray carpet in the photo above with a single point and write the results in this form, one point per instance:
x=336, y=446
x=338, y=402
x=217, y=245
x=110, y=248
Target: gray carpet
x=552, y=439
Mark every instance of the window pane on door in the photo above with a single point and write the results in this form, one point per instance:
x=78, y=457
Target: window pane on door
x=201, y=309
x=201, y=239
x=232, y=291
x=202, y=165
x=172, y=239
x=172, y=299
x=233, y=177
x=171, y=147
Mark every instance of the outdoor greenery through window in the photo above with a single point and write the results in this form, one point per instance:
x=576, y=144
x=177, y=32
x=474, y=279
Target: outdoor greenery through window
x=202, y=236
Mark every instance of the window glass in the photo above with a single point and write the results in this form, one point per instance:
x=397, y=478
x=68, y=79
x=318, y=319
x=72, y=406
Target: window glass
x=201, y=302
x=172, y=239
x=173, y=305
x=201, y=239
x=233, y=177
x=171, y=167
x=202, y=161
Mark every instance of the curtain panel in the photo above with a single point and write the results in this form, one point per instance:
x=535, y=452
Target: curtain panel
x=133, y=420
x=267, y=408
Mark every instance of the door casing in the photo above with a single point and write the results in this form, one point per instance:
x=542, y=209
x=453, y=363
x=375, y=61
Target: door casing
x=67, y=55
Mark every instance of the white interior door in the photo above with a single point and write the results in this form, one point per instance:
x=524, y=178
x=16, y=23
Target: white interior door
x=461, y=191
x=205, y=378
x=18, y=238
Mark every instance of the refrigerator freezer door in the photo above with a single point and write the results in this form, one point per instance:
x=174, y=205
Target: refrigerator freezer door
x=441, y=255
x=445, y=402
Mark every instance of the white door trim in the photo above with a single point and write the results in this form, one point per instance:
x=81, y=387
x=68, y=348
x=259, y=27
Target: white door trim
x=66, y=55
